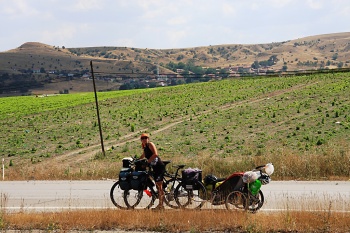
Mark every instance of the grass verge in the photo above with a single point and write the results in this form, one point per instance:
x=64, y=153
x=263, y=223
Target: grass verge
x=178, y=221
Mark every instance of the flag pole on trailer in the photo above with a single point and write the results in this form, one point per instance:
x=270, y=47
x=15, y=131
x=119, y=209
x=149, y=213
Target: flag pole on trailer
x=98, y=112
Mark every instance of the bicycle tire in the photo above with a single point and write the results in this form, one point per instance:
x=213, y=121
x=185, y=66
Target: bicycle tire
x=190, y=196
x=236, y=200
x=254, y=203
x=117, y=196
x=138, y=198
x=169, y=192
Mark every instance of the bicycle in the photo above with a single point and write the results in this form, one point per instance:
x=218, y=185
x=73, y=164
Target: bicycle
x=241, y=190
x=127, y=196
x=135, y=196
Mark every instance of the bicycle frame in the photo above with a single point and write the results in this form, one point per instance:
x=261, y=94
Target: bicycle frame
x=169, y=183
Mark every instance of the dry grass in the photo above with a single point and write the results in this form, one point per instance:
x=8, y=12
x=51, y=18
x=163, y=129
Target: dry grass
x=288, y=165
x=179, y=221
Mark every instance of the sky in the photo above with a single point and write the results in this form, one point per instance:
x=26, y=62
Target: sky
x=167, y=24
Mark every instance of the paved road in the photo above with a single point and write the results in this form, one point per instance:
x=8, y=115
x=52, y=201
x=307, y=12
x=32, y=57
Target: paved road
x=61, y=195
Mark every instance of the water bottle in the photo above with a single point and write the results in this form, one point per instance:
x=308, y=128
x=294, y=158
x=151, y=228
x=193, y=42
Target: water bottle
x=254, y=187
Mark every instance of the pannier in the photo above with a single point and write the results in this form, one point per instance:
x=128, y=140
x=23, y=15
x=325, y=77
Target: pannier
x=124, y=178
x=190, y=177
x=138, y=180
x=210, y=183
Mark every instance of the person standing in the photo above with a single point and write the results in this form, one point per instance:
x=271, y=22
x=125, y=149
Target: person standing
x=151, y=154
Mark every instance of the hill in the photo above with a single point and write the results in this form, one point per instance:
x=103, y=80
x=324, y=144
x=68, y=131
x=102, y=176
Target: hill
x=299, y=123
x=40, y=68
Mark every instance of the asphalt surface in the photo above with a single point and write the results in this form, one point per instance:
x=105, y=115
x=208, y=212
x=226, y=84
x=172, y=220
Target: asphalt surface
x=63, y=195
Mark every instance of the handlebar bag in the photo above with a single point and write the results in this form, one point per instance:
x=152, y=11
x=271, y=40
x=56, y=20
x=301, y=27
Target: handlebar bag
x=138, y=180
x=140, y=165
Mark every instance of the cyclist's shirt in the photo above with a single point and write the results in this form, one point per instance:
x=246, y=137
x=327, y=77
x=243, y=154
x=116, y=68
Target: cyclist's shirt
x=157, y=164
x=148, y=151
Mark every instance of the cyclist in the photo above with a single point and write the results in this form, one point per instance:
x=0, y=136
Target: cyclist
x=151, y=154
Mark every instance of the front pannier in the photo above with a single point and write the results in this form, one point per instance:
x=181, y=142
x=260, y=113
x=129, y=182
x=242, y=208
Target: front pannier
x=138, y=180
x=190, y=177
x=124, y=178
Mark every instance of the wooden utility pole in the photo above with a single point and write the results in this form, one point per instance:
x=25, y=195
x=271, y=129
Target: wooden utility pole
x=98, y=112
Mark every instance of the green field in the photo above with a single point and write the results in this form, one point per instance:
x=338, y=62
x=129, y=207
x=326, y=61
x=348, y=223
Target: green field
x=299, y=123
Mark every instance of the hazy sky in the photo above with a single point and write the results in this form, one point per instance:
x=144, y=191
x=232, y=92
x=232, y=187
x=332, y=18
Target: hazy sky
x=161, y=24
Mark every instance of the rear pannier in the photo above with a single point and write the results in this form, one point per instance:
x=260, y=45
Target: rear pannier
x=190, y=176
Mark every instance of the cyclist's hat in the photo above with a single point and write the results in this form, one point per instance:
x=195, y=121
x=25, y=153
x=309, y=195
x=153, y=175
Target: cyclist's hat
x=144, y=135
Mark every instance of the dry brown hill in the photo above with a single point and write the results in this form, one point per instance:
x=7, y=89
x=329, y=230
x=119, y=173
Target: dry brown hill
x=321, y=48
x=53, y=66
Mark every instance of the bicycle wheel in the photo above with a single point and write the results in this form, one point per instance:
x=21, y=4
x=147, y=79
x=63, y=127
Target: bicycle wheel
x=190, y=196
x=254, y=202
x=139, y=198
x=235, y=200
x=117, y=196
x=169, y=192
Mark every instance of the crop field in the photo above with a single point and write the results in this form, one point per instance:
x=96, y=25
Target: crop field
x=299, y=123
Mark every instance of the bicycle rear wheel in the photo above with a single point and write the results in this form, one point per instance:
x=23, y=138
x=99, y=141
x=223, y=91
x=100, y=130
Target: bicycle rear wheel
x=190, y=196
x=117, y=196
x=139, y=198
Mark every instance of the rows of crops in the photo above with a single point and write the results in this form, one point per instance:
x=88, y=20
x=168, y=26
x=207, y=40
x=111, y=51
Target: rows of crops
x=224, y=119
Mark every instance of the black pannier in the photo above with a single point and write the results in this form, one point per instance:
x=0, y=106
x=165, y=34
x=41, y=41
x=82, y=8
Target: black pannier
x=190, y=177
x=138, y=180
x=125, y=178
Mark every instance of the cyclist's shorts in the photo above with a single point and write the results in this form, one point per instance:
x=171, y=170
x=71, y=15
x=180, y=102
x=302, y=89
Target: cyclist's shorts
x=158, y=170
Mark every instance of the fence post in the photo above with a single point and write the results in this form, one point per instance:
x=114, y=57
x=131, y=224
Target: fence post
x=3, y=169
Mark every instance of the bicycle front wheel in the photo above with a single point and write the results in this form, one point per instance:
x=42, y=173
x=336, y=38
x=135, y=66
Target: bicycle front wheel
x=117, y=196
x=139, y=198
x=169, y=193
x=235, y=200
x=190, y=196
x=254, y=202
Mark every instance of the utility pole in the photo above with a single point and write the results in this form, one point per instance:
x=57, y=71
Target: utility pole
x=97, y=109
